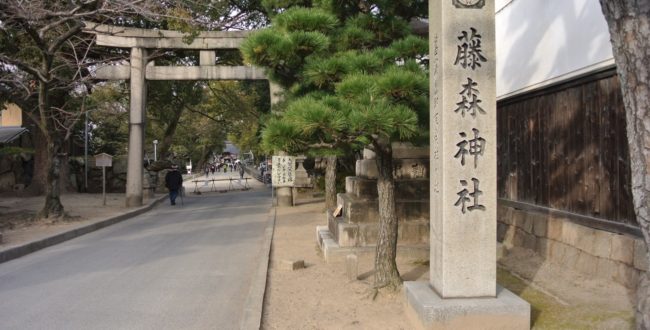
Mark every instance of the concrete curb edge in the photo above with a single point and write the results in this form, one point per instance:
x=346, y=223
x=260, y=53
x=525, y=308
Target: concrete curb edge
x=22, y=250
x=254, y=305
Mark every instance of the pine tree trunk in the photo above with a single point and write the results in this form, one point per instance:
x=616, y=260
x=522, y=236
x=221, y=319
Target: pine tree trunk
x=629, y=28
x=386, y=273
x=330, y=183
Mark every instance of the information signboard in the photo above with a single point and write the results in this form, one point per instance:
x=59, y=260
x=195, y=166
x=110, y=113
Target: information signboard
x=283, y=171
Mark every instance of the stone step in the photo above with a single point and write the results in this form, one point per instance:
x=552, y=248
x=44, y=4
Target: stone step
x=333, y=252
x=417, y=189
x=402, y=150
x=365, y=234
x=360, y=210
x=409, y=168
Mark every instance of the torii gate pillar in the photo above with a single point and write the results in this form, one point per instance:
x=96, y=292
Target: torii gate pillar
x=136, y=127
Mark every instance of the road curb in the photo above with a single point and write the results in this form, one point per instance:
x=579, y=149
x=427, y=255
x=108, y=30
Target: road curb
x=27, y=248
x=252, y=318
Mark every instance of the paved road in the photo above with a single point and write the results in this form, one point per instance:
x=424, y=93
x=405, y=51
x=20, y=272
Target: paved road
x=174, y=267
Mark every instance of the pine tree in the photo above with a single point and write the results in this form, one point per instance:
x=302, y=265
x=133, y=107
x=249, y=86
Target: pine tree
x=350, y=84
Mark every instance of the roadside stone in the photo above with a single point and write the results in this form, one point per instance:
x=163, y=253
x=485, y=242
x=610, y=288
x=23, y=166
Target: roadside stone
x=623, y=249
x=352, y=267
x=291, y=264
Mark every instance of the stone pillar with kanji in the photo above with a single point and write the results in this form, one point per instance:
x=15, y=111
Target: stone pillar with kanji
x=462, y=292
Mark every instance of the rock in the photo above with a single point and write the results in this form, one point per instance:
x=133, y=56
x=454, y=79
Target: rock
x=291, y=264
x=352, y=267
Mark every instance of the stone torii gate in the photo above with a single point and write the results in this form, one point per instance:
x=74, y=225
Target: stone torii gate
x=140, y=69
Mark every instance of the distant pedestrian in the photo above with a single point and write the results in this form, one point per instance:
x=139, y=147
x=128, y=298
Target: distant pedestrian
x=207, y=171
x=241, y=171
x=173, y=182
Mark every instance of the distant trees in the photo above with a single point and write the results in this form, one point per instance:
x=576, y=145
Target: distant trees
x=45, y=61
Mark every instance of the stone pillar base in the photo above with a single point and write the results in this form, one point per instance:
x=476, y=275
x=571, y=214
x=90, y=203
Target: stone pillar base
x=133, y=201
x=427, y=308
x=284, y=196
x=148, y=193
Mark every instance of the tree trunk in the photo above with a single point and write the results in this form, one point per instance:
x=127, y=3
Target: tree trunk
x=41, y=161
x=330, y=183
x=52, y=161
x=386, y=273
x=629, y=28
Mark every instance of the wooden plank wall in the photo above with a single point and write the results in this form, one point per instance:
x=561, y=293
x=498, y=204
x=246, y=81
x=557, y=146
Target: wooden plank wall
x=566, y=148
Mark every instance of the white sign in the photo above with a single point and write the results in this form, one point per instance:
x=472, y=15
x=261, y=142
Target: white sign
x=103, y=160
x=283, y=171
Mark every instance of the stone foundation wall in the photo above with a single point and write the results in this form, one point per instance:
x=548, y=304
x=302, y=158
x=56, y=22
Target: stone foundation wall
x=16, y=171
x=358, y=224
x=597, y=253
x=16, y=174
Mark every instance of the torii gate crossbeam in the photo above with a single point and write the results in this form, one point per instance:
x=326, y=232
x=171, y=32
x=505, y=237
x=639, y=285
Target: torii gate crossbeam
x=139, y=71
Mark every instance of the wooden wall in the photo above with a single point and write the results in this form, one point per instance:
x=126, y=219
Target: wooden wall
x=566, y=148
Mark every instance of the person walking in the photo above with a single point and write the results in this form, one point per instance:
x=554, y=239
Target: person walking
x=173, y=182
x=241, y=170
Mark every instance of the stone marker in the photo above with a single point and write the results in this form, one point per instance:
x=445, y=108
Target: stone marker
x=291, y=264
x=283, y=177
x=462, y=292
x=352, y=267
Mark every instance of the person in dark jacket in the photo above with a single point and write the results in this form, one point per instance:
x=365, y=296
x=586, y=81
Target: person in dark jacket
x=173, y=182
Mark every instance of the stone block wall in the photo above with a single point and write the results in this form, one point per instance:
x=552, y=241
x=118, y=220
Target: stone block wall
x=597, y=253
x=15, y=171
